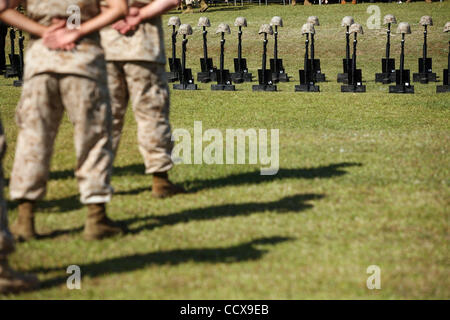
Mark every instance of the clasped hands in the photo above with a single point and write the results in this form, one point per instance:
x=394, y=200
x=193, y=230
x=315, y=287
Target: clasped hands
x=59, y=37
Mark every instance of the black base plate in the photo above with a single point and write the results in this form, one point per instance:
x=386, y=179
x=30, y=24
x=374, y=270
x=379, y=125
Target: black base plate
x=181, y=86
x=401, y=89
x=352, y=88
x=18, y=83
x=11, y=73
x=385, y=78
x=241, y=77
x=173, y=76
x=319, y=77
x=280, y=77
x=264, y=87
x=342, y=77
x=223, y=87
x=424, y=78
x=205, y=77
x=307, y=88
x=442, y=89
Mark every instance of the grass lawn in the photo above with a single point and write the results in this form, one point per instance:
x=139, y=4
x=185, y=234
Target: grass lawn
x=363, y=180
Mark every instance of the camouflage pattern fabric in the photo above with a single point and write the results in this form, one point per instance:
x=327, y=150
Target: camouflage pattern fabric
x=44, y=98
x=144, y=44
x=87, y=59
x=145, y=83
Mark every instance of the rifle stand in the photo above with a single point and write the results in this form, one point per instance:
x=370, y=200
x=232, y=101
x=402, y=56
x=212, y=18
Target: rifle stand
x=402, y=76
x=354, y=78
x=265, y=75
x=241, y=73
x=347, y=61
x=425, y=73
x=316, y=72
x=387, y=64
x=223, y=77
x=306, y=75
x=208, y=72
x=276, y=64
x=186, y=79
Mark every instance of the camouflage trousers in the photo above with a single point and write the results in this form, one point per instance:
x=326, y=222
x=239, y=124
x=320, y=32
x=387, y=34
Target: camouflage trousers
x=39, y=113
x=6, y=239
x=145, y=83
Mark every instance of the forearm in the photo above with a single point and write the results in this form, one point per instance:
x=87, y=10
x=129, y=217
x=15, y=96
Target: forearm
x=157, y=8
x=18, y=20
x=115, y=10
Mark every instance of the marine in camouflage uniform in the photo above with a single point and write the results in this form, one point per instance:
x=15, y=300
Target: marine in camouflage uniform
x=10, y=281
x=57, y=80
x=136, y=71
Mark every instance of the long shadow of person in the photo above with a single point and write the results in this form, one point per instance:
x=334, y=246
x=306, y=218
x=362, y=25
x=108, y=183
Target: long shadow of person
x=296, y=203
x=247, y=251
x=252, y=177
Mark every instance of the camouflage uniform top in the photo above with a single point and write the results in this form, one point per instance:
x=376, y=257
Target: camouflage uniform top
x=87, y=59
x=146, y=43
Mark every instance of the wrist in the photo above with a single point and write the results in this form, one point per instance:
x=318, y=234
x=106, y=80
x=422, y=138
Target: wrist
x=141, y=16
x=80, y=32
x=41, y=31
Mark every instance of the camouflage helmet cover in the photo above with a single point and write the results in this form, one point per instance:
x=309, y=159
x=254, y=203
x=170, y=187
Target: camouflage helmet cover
x=240, y=22
x=185, y=29
x=390, y=18
x=404, y=27
x=314, y=20
x=174, y=21
x=347, y=21
x=426, y=21
x=223, y=27
x=447, y=27
x=204, y=22
x=308, y=28
x=266, y=28
x=356, y=28
x=276, y=21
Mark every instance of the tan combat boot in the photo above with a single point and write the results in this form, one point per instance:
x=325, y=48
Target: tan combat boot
x=14, y=282
x=203, y=6
x=189, y=9
x=163, y=187
x=23, y=229
x=294, y=2
x=98, y=226
x=343, y=2
x=307, y=3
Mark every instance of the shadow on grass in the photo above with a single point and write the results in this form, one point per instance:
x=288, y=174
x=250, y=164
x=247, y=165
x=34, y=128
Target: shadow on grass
x=55, y=206
x=296, y=203
x=247, y=251
x=253, y=177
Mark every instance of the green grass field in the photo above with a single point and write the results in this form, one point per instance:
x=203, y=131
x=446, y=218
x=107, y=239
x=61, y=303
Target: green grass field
x=364, y=180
